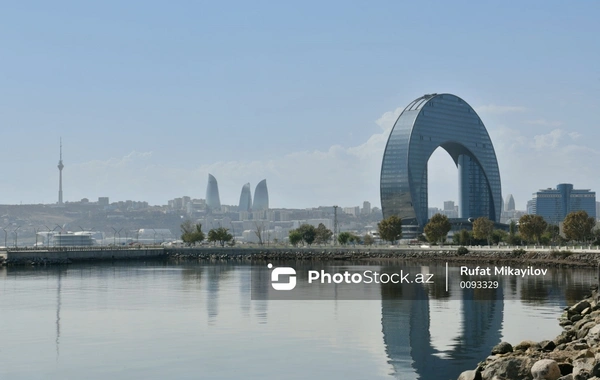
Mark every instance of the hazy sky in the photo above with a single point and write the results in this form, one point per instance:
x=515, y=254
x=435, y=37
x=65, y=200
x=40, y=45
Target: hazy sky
x=149, y=97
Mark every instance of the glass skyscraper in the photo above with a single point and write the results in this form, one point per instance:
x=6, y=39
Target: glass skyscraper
x=429, y=122
x=555, y=204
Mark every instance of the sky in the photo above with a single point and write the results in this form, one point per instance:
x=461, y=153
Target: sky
x=149, y=97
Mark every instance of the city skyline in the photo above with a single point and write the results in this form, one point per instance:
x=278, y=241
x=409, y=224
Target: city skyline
x=279, y=91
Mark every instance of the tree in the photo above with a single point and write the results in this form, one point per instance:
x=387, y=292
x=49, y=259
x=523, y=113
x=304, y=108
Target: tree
x=259, y=231
x=390, y=229
x=531, y=227
x=368, y=239
x=220, y=235
x=483, y=228
x=295, y=237
x=437, y=228
x=353, y=239
x=512, y=238
x=578, y=226
x=344, y=237
x=191, y=233
x=323, y=234
x=498, y=236
x=308, y=232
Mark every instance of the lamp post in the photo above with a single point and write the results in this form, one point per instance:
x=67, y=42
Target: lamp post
x=5, y=234
x=59, y=234
x=154, y=242
x=35, y=230
x=16, y=236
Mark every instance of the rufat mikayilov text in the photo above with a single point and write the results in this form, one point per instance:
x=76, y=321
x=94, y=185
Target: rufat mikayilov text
x=504, y=270
x=369, y=277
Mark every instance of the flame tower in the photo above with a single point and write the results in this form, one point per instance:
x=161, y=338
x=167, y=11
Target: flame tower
x=60, y=168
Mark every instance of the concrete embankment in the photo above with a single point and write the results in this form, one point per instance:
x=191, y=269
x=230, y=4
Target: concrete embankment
x=566, y=257
x=69, y=255
x=572, y=355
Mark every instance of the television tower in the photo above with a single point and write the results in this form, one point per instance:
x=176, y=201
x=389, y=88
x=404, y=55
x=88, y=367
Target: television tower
x=60, y=168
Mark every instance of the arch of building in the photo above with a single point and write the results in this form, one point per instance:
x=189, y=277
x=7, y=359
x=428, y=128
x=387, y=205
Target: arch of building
x=427, y=123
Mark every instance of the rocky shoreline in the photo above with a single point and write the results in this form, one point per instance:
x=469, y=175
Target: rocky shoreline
x=572, y=355
x=562, y=258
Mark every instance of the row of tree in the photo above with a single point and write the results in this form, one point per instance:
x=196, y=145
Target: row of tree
x=308, y=235
x=578, y=226
x=192, y=234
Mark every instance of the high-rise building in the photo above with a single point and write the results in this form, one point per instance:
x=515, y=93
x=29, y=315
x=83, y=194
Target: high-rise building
x=510, y=203
x=598, y=210
x=60, y=169
x=261, y=196
x=213, y=202
x=555, y=204
x=427, y=123
x=366, y=209
x=245, y=198
x=448, y=205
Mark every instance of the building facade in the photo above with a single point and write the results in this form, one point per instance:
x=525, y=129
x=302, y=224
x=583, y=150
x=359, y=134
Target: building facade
x=555, y=204
x=427, y=123
x=213, y=201
x=245, y=198
x=261, y=196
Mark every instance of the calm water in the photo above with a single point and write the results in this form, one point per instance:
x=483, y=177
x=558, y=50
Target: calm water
x=197, y=321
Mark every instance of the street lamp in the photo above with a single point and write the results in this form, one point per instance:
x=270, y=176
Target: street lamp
x=5, y=234
x=16, y=236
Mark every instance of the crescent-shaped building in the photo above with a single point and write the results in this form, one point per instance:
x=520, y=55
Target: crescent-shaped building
x=429, y=122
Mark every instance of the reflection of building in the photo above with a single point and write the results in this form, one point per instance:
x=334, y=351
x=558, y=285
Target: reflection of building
x=245, y=198
x=212, y=194
x=406, y=334
x=430, y=122
x=555, y=204
x=261, y=196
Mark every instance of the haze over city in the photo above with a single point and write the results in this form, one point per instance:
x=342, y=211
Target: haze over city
x=149, y=98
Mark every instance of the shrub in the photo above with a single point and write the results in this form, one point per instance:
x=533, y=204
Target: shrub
x=462, y=251
x=519, y=252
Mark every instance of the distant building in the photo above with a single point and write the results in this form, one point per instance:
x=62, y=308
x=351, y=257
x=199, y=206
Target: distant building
x=510, y=203
x=366, y=210
x=555, y=204
x=597, y=209
x=261, y=196
x=103, y=201
x=212, y=194
x=245, y=199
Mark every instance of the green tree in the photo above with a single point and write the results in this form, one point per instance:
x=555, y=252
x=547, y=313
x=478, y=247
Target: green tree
x=344, y=237
x=483, y=229
x=390, y=229
x=437, y=228
x=368, y=239
x=220, y=235
x=308, y=232
x=323, y=234
x=463, y=237
x=295, y=237
x=354, y=239
x=512, y=238
x=531, y=227
x=191, y=233
x=578, y=226
x=553, y=233
x=498, y=236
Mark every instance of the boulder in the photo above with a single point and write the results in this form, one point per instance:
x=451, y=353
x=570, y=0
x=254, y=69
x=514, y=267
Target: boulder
x=502, y=348
x=524, y=345
x=583, y=366
x=578, y=307
x=473, y=374
x=509, y=367
x=545, y=369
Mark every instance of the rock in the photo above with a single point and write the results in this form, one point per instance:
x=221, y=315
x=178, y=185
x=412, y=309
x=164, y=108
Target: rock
x=586, y=311
x=583, y=329
x=566, y=377
x=473, y=374
x=509, y=367
x=502, y=348
x=579, y=307
x=593, y=335
x=547, y=345
x=576, y=317
x=545, y=369
x=583, y=366
x=565, y=368
x=564, y=337
x=524, y=345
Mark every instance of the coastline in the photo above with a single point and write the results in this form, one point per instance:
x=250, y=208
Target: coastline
x=559, y=257
x=572, y=355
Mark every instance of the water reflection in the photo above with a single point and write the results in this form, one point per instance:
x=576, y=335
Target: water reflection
x=145, y=310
